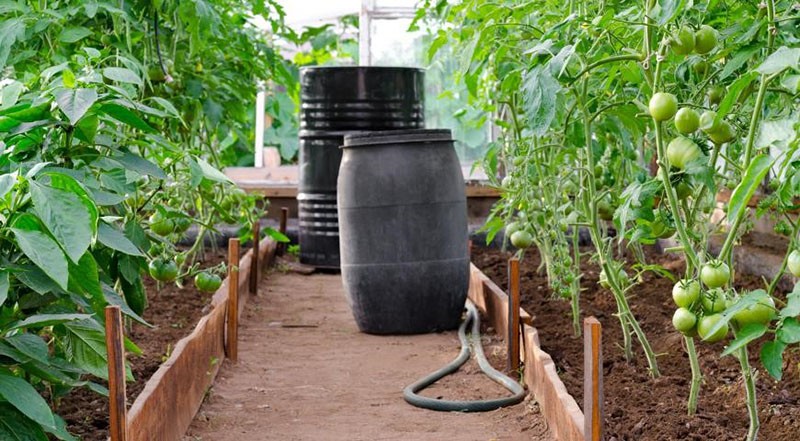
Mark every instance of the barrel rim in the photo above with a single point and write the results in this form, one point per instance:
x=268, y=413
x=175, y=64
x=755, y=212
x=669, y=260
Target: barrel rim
x=363, y=138
x=362, y=68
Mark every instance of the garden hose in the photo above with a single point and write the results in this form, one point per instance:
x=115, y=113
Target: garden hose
x=467, y=347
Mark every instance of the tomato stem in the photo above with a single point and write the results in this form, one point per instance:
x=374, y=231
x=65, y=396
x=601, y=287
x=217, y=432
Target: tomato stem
x=697, y=376
x=750, y=389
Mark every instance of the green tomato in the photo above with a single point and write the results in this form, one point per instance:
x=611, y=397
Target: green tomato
x=684, y=320
x=794, y=263
x=683, y=190
x=161, y=225
x=163, y=270
x=762, y=312
x=682, y=42
x=705, y=39
x=622, y=278
x=687, y=120
x=512, y=228
x=686, y=292
x=207, y=282
x=707, y=322
x=715, y=95
x=714, y=300
x=700, y=68
x=663, y=106
x=681, y=151
x=182, y=224
x=715, y=274
x=722, y=133
x=605, y=210
x=521, y=239
x=707, y=121
x=661, y=228
x=518, y=161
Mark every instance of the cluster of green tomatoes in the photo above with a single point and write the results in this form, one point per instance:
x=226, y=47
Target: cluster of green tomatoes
x=700, y=308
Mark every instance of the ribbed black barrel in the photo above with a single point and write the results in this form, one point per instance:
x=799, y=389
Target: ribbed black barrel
x=361, y=98
x=336, y=101
x=403, y=231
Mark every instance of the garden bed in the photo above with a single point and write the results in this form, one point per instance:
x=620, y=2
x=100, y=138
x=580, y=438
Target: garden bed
x=636, y=406
x=173, y=312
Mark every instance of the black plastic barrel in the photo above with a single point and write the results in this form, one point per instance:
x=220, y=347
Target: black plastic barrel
x=403, y=231
x=336, y=101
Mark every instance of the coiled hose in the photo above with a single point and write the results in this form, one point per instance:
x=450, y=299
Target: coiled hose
x=410, y=392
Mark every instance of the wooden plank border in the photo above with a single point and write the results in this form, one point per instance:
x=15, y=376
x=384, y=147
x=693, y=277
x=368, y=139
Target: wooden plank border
x=559, y=408
x=173, y=395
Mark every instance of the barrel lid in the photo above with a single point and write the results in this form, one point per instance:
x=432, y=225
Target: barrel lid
x=397, y=137
x=360, y=69
x=325, y=133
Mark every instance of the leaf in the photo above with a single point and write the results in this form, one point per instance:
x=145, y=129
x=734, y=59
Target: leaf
x=10, y=94
x=789, y=332
x=7, y=182
x=31, y=345
x=122, y=75
x=115, y=299
x=86, y=129
x=540, y=92
x=84, y=344
x=772, y=358
x=782, y=58
x=20, y=394
x=277, y=235
x=4, y=285
x=15, y=427
x=139, y=164
x=84, y=277
x=73, y=34
x=732, y=96
x=67, y=212
x=126, y=116
x=114, y=239
x=43, y=320
x=34, y=278
x=211, y=173
x=75, y=102
x=752, y=178
x=744, y=302
x=745, y=335
x=778, y=133
x=43, y=251
x=792, y=308
x=737, y=61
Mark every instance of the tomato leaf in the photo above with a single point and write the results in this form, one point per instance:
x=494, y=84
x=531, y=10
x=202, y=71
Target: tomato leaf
x=20, y=394
x=42, y=320
x=783, y=58
x=744, y=302
x=732, y=96
x=789, y=332
x=74, y=34
x=753, y=176
x=772, y=358
x=745, y=335
x=792, y=308
x=41, y=248
x=4, y=285
x=540, y=92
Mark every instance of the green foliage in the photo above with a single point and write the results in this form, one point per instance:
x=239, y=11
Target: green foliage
x=111, y=113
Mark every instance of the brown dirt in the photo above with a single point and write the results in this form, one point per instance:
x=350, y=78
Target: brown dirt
x=638, y=407
x=173, y=312
x=306, y=373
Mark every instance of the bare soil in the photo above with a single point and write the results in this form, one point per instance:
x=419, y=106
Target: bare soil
x=638, y=407
x=306, y=373
x=173, y=312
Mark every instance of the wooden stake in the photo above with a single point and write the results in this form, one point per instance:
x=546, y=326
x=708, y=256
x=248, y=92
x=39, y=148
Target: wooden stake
x=592, y=379
x=118, y=429
x=513, y=314
x=282, y=228
x=232, y=325
x=254, y=268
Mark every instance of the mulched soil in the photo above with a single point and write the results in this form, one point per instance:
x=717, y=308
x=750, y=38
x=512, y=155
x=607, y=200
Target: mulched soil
x=638, y=407
x=173, y=312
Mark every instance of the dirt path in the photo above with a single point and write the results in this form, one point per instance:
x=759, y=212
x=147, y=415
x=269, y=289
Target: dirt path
x=306, y=373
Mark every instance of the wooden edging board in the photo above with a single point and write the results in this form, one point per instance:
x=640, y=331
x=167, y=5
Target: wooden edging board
x=559, y=408
x=173, y=395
